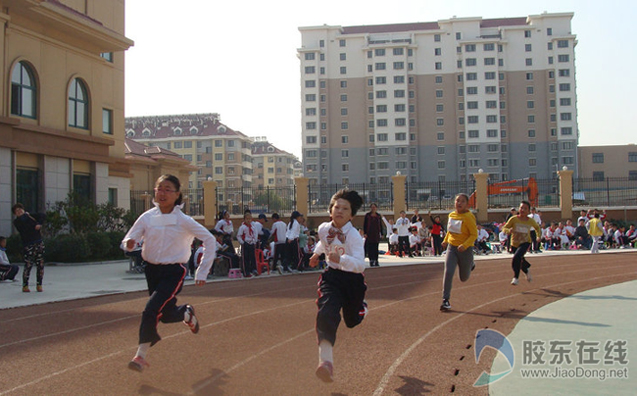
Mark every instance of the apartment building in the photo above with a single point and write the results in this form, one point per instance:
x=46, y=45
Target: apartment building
x=218, y=152
x=272, y=166
x=600, y=162
x=62, y=106
x=437, y=101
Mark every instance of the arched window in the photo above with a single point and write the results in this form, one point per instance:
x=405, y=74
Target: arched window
x=78, y=105
x=23, y=91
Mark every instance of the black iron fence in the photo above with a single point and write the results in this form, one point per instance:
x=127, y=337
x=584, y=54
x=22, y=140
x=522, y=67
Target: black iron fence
x=609, y=191
x=257, y=199
x=435, y=195
x=381, y=194
x=193, y=201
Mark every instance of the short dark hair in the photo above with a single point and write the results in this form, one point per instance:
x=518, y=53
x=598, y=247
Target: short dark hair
x=351, y=196
x=526, y=203
x=276, y=216
x=17, y=206
x=2, y=238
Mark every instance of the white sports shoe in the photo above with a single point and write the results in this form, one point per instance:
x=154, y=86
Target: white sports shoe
x=514, y=281
x=528, y=275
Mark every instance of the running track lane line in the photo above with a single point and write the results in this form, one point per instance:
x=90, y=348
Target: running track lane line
x=392, y=369
x=384, y=380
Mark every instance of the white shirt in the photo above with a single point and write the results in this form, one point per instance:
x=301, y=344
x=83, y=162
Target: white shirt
x=247, y=234
x=168, y=237
x=483, y=235
x=3, y=258
x=402, y=226
x=224, y=226
x=502, y=237
x=352, y=251
x=279, y=230
x=294, y=231
x=414, y=240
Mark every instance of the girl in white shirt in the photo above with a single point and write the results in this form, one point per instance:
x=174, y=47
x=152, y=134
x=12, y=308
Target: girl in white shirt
x=293, y=253
x=224, y=225
x=168, y=234
x=247, y=237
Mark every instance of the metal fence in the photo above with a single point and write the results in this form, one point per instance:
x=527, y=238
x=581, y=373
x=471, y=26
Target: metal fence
x=257, y=199
x=193, y=201
x=609, y=191
x=435, y=195
x=382, y=195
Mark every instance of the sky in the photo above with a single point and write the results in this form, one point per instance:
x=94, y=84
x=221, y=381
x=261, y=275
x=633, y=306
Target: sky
x=239, y=58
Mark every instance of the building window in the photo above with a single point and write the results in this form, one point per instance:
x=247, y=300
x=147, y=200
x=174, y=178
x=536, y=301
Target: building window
x=107, y=55
x=527, y=47
x=563, y=58
x=598, y=176
x=344, y=139
x=527, y=33
x=598, y=158
x=82, y=185
x=107, y=121
x=632, y=156
x=78, y=105
x=23, y=91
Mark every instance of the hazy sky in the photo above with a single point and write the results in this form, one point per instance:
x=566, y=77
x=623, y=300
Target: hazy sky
x=239, y=59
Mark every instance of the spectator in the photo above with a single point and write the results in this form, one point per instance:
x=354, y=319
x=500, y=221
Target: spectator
x=8, y=271
x=278, y=237
x=29, y=227
x=481, y=240
x=582, y=238
x=372, y=228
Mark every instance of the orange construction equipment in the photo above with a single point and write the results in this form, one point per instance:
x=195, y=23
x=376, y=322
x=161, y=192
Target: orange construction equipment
x=508, y=187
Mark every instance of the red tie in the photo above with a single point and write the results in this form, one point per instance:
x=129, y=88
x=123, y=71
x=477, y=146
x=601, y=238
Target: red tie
x=335, y=233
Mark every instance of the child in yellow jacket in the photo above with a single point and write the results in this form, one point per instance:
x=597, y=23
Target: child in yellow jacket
x=461, y=234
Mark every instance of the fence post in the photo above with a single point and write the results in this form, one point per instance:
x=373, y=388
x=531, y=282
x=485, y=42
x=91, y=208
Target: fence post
x=210, y=203
x=482, y=197
x=607, y=192
x=566, y=192
x=399, y=193
x=301, y=186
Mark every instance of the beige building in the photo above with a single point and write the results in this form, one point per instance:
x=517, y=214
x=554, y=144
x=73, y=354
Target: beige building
x=148, y=163
x=437, y=101
x=62, y=103
x=218, y=152
x=600, y=162
x=273, y=167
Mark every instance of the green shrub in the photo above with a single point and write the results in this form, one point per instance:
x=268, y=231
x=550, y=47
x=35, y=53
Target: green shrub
x=14, y=248
x=115, y=239
x=67, y=248
x=99, y=244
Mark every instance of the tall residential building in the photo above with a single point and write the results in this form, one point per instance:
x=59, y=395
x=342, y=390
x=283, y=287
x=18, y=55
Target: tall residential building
x=272, y=167
x=439, y=100
x=62, y=103
x=219, y=152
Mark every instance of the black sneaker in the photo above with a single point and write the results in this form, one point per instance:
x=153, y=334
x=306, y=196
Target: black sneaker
x=192, y=322
x=445, y=305
x=473, y=266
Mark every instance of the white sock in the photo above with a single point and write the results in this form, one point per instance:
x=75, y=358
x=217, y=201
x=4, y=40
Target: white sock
x=325, y=352
x=142, y=350
x=186, y=316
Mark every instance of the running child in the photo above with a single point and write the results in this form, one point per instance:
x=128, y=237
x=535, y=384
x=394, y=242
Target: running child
x=342, y=285
x=520, y=229
x=461, y=235
x=168, y=234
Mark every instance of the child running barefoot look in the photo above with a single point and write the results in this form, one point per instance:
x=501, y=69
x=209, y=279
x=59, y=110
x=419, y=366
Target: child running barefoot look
x=342, y=285
x=461, y=234
x=520, y=229
x=168, y=234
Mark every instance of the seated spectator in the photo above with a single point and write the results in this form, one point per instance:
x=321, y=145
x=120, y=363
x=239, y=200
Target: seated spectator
x=308, y=251
x=481, y=240
x=8, y=271
x=631, y=234
x=393, y=242
x=414, y=242
x=582, y=239
x=224, y=250
x=619, y=237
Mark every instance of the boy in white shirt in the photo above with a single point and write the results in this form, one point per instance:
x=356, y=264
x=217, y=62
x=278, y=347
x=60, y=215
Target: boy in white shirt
x=342, y=285
x=414, y=241
x=393, y=242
